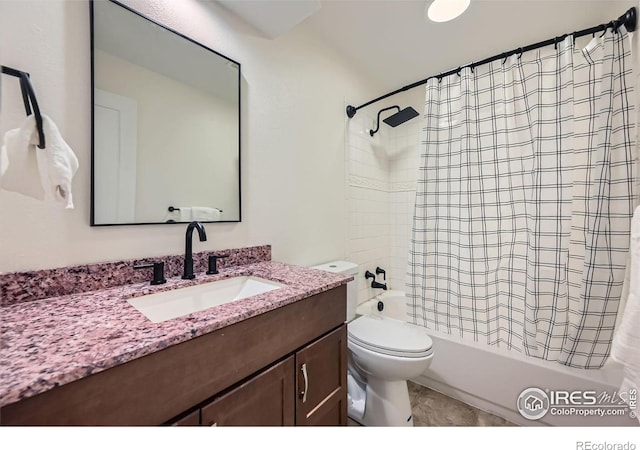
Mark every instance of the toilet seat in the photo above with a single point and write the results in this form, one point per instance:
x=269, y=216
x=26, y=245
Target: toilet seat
x=389, y=337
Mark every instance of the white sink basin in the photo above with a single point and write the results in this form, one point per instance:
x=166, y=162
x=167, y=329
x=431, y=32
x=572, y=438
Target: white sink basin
x=179, y=302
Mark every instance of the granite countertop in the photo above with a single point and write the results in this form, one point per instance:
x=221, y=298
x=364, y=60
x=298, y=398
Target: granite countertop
x=54, y=341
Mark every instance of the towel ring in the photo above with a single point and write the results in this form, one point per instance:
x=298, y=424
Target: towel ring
x=29, y=99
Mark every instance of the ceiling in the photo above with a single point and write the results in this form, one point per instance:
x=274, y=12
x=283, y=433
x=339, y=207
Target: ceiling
x=392, y=42
x=272, y=17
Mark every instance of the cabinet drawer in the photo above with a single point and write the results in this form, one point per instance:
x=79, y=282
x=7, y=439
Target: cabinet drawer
x=266, y=399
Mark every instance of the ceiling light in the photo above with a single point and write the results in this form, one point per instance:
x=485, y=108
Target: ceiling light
x=445, y=10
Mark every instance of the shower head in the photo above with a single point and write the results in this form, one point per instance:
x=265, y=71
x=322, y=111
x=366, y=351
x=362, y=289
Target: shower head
x=401, y=117
x=396, y=119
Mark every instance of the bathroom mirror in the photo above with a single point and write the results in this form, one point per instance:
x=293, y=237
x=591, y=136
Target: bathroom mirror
x=166, y=124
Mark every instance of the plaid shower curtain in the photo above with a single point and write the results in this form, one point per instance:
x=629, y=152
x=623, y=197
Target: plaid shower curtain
x=524, y=201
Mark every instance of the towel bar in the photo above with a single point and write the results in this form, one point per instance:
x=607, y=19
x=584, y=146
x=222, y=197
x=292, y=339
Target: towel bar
x=172, y=209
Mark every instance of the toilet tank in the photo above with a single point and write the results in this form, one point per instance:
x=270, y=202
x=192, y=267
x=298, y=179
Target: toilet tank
x=345, y=268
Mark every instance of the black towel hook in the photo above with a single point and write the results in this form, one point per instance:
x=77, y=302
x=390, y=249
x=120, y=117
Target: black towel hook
x=29, y=99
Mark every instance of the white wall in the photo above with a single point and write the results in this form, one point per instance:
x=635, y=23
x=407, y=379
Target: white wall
x=294, y=92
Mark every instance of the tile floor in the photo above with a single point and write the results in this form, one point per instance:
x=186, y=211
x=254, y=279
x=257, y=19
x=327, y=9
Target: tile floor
x=433, y=409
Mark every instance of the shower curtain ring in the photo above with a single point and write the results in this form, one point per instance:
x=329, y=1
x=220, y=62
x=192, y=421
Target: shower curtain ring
x=505, y=56
x=558, y=39
x=519, y=52
x=458, y=71
x=604, y=28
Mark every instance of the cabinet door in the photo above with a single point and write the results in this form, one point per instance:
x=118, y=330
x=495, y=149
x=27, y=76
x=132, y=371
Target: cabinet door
x=266, y=399
x=321, y=381
x=190, y=420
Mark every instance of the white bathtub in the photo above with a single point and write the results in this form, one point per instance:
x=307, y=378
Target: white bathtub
x=492, y=379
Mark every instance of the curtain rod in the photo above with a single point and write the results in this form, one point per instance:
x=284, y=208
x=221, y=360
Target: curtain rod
x=628, y=19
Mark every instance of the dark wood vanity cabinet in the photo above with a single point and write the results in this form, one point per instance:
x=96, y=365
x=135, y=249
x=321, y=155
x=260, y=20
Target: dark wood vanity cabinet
x=249, y=373
x=190, y=420
x=307, y=388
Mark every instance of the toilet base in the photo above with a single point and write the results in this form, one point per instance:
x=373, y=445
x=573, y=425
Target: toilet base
x=387, y=404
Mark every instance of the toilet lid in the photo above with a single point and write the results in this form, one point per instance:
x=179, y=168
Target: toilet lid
x=390, y=337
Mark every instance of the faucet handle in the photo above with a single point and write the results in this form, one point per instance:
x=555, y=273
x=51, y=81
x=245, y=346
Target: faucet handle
x=383, y=272
x=368, y=275
x=213, y=263
x=158, y=271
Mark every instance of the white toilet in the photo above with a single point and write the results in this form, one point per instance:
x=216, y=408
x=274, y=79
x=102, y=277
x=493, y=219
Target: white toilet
x=383, y=354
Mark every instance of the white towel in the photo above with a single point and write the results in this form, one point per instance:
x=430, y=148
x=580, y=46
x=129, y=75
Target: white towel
x=185, y=214
x=4, y=159
x=44, y=174
x=626, y=342
x=205, y=213
x=20, y=164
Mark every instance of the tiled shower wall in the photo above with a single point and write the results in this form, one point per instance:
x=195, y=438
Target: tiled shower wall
x=404, y=150
x=381, y=178
x=368, y=203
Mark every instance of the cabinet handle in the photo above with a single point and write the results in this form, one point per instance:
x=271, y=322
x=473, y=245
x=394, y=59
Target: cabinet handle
x=306, y=382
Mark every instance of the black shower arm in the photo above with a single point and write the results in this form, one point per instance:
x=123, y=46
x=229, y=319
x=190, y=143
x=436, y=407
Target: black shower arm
x=372, y=132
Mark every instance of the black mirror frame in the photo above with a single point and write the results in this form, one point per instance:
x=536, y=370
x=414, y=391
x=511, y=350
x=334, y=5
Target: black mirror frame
x=91, y=22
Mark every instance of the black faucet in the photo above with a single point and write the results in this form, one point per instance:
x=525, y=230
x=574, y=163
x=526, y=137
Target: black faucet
x=188, y=253
x=368, y=275
x=158, y=271
x=376, y=285
x=213, y=263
